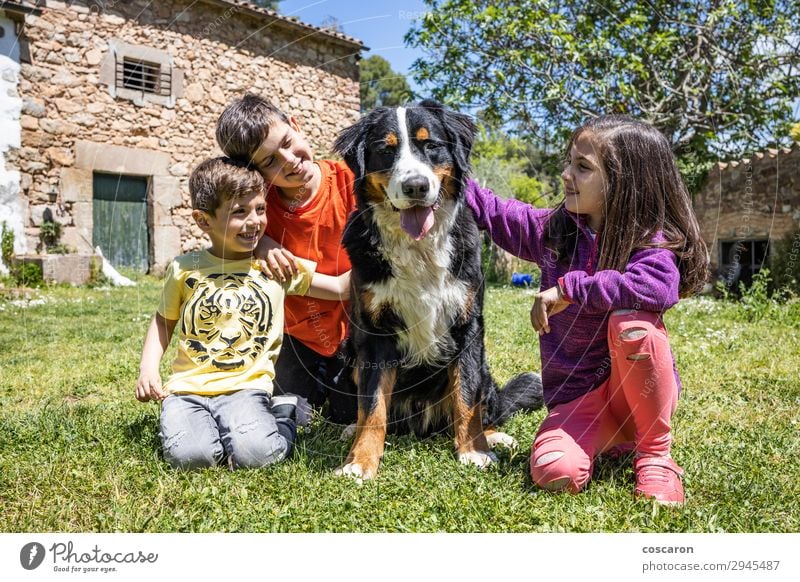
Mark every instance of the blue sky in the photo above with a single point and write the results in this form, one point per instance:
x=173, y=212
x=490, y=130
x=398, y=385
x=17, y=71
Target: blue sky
x=379, y=24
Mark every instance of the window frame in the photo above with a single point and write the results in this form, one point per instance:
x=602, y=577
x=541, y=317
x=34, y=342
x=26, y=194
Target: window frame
x=726, y=268
x=112, y=74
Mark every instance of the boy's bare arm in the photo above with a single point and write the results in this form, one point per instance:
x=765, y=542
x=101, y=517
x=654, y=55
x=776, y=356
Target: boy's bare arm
x=330, y=287
x=148, y=386
x=274, y=260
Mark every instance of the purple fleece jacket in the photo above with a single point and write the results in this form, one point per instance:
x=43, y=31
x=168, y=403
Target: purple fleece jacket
x=575, y=355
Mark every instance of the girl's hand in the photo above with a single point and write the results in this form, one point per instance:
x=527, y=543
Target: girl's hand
x=148, y=387
x=547, y=304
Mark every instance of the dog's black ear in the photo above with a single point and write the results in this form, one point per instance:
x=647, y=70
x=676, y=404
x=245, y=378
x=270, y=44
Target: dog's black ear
x=350, y=144
x=460, y=130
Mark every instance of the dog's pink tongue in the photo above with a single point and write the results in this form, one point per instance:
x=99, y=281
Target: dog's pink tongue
x=417, y=221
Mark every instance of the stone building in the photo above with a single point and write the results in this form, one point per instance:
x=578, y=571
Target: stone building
x=745, y=207
x=108, y=105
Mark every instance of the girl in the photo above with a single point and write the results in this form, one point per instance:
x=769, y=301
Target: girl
x=615, y=254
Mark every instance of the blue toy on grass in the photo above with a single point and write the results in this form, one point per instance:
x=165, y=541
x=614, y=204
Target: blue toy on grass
x=521, y=280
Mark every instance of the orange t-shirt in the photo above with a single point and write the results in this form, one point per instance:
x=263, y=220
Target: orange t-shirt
x=314, y=232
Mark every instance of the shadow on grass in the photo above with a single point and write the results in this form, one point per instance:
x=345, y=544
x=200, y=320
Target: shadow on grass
x=320, y=450
x=613, y=469
x=142, y=433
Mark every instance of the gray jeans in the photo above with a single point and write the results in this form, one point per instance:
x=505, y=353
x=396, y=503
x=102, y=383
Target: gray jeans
x=203, y=431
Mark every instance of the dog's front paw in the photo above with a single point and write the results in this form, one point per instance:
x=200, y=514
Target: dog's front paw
x=477, y=458
x=355, y=471
x=501, y=439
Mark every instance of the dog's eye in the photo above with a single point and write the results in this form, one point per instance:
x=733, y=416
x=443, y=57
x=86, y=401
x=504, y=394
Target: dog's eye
x=386, y=150
x=431, y=145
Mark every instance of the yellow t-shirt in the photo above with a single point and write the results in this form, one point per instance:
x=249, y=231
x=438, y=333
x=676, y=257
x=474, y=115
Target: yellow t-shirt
x=230, y=322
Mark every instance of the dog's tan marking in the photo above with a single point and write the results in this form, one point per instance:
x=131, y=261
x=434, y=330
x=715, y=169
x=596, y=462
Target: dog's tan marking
x=449, y=187
x=467, y=423
x=367, y=450
x=469, y=304
x=375, y=311
x=422, y=134
x=391, y=139
x=366, y=298
x=375, y=187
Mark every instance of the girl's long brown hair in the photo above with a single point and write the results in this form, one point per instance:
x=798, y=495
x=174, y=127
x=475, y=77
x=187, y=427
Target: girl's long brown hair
x=645, y=194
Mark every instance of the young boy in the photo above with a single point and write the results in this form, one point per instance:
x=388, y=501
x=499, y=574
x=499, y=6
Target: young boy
x=308, y=204
x=217, y=404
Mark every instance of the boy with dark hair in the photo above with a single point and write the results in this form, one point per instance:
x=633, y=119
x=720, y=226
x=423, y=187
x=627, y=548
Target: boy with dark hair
x=308, y=204
x=218, y=404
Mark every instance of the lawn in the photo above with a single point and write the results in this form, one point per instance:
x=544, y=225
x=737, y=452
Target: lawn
x=79, y=454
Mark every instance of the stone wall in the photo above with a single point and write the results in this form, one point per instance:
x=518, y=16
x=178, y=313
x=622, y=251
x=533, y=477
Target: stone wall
x=755, y=198
x=72, y=125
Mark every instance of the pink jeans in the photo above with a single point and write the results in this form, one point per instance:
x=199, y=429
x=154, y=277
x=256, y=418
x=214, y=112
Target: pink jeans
x=635, y=404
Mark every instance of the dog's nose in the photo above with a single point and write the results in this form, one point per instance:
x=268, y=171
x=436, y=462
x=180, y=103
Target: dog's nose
x=416, y=187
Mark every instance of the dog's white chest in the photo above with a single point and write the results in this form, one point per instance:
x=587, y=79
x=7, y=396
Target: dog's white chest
x=426, y=296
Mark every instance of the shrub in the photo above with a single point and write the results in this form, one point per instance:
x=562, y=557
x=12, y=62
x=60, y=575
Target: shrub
x=22, y=274
x=761, y=300
x=757, y=300
x=27, y=274
x=49, y=233
x=7, y=244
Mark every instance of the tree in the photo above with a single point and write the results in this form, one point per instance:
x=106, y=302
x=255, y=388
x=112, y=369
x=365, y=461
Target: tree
x=380, y=85
x=511, y=167
x=717, y=77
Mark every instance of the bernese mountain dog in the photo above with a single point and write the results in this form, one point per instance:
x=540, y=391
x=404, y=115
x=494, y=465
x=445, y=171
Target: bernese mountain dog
x=419, y=361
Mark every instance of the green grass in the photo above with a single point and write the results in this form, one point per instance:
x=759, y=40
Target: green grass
x=78, y=453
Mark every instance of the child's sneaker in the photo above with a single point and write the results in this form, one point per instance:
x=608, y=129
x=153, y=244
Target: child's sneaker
x=659, y=479
x=292, y=407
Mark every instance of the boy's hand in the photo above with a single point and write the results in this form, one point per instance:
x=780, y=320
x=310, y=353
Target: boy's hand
x=279, y=264
x=148, y=387
x=547, y=304
x=274, y=260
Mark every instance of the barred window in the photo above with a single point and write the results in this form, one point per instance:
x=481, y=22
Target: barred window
x=141, y=74
x=144, y=76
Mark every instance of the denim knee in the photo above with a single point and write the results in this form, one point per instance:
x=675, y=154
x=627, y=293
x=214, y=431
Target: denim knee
x=187, y=454
x=557, y=466
x=249, y=431
x=189, y=436
x=254, y=449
